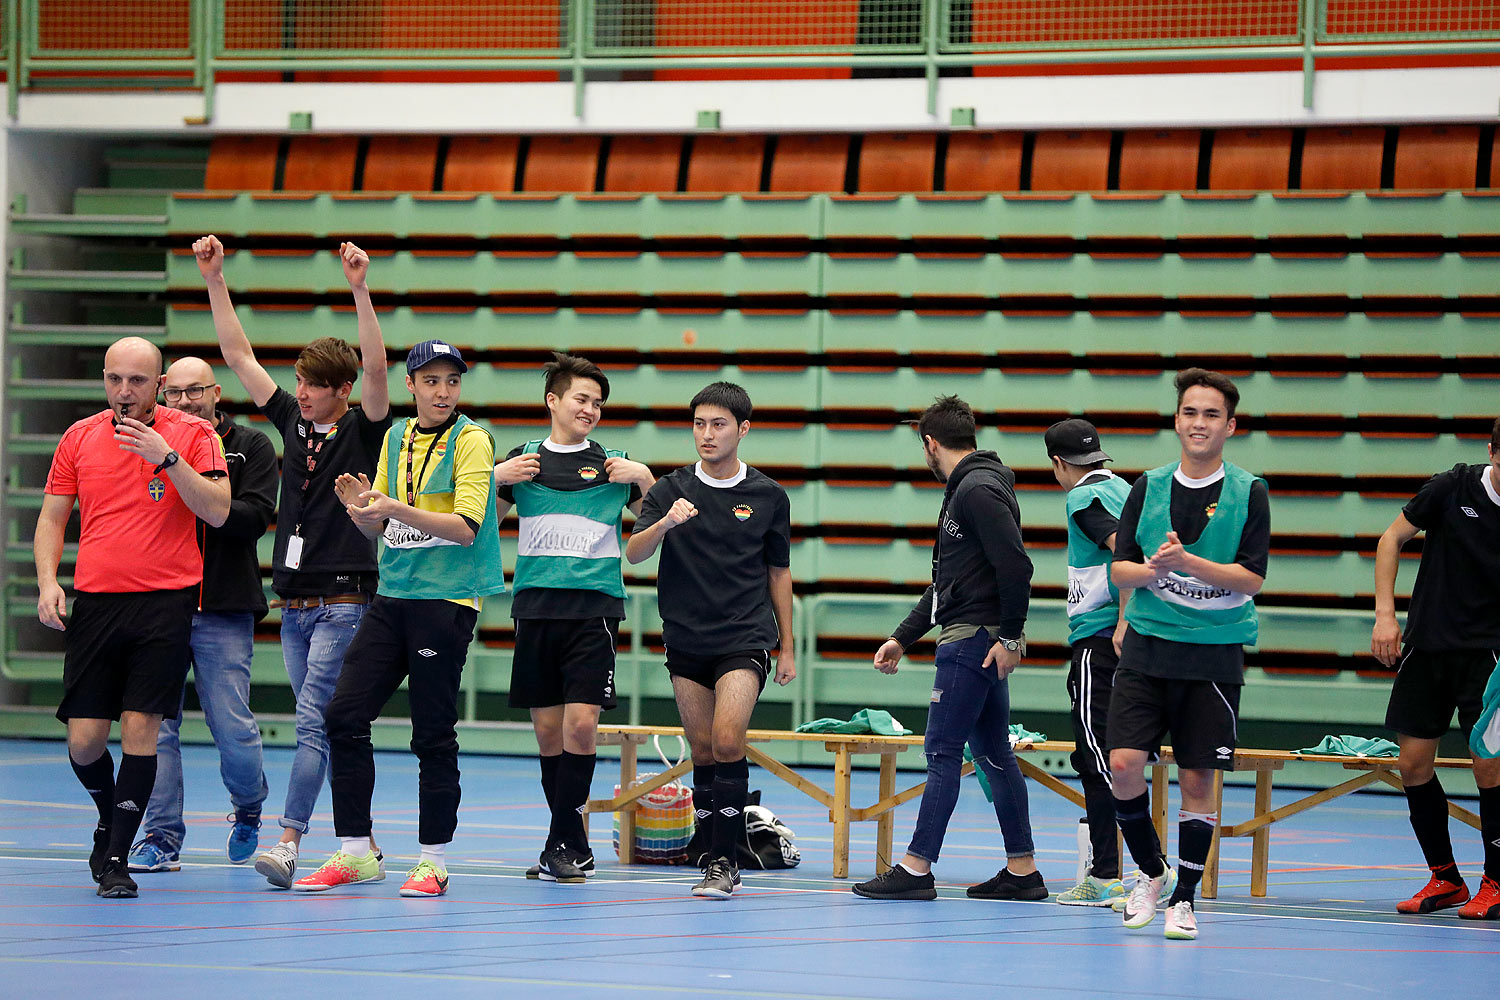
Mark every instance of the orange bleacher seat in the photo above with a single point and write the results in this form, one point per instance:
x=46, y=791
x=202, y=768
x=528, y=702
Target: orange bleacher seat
x=401, y=163
x=481, y=163
x=1158, y=160
x=242, y=163
x=895, y=161
x=983, y=161
x=1437, y=156
x=1250, y=159
x=726, y=163
x=1070, y=161
x=1343, y=159
x=810, y=163
x=561, y=163
x=320, y=163
x=643, y=163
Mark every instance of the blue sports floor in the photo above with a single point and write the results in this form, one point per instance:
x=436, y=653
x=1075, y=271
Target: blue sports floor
x=1328, y=930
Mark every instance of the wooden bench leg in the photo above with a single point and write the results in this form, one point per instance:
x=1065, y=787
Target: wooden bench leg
x=840, y=810
x=1159, y=801
x=627, y=816
x=1260, y=840
x=1209, y=889
x=885, y=823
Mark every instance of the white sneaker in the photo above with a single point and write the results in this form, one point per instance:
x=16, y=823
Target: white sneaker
x=1182, y=925
x=278, y=865
x=1140, y=905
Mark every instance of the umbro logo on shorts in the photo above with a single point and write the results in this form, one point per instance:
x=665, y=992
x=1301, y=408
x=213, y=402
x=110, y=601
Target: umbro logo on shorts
x=1223, y=751
x=1470, y=511
x=729, y=811
x=427, y=652
x=128, y=805
x=1496, y=842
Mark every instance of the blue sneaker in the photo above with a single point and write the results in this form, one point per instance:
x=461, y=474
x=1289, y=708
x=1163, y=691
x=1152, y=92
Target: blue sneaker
x=244, y=836
x=151, y=855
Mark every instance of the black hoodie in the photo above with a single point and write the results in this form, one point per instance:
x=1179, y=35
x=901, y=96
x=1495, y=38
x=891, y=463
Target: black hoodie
x=981, y=574
x=231, y=567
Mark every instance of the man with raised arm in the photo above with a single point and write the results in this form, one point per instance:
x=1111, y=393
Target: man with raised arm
x=323, y=568
x=569, y=597
x=1193, y=544
x=724, y=590
x=142, y=475
x=1443, y=663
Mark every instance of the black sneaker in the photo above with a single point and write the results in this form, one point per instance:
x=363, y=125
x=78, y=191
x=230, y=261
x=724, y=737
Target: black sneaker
x=100, y=854
x=1008, y=885
x=720, y=878
x=115, y=881
x=585, y=861
x=897, y=883
x=561, y=864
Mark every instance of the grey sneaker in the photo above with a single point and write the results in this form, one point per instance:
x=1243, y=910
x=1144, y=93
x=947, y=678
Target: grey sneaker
x=278, y=865
x=897, y=883
x=720, y=878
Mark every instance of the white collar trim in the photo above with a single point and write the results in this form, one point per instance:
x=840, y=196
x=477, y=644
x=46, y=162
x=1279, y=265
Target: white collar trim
x=324, y=428
x=565, y=449
x=1101, y=474
x=720, y=484
x=1485, y=476
x=1198, y=484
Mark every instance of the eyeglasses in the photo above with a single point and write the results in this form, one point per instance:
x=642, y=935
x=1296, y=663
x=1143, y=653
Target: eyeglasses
x=191, y=392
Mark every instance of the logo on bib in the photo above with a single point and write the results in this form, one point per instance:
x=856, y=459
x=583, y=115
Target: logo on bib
x=1470, y=511
x=588, y=473
x=1211, y=509
x=742, y=511
x=156, y=488
x=440, y=448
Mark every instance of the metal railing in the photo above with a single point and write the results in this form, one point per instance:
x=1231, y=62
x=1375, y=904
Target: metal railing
x=191, y=43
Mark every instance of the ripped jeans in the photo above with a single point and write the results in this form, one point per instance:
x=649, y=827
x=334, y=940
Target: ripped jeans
x=970, y=704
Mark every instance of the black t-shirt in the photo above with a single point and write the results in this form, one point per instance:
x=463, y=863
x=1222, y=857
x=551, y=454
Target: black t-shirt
x=1096, y=523
x=560, y=470
x=1222, y=663
x=712, y=586
x=1455, y=602
x=1190, y=508
x=336, y=557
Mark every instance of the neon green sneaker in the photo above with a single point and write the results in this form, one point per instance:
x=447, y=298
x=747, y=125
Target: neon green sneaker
x=343, y=869
x=1093, y=892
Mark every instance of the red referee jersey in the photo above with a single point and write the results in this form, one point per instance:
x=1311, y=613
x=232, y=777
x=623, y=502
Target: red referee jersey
x=137, y=534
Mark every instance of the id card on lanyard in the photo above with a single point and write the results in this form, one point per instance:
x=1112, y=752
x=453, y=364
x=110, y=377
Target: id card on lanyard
x=293, y=557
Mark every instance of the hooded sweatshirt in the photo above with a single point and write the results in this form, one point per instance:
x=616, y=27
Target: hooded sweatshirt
x=981, y=574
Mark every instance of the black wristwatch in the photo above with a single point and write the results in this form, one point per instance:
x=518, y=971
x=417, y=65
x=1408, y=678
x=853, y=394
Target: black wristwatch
x=166, y=463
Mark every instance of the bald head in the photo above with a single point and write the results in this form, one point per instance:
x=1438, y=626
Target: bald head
x=189, y=377
x=132, y=376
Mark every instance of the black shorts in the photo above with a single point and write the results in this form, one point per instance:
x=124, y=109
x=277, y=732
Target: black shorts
x=127, y=652
x=707, y=668
x=1202, y=717
x=562, y=661
x=1431, y=684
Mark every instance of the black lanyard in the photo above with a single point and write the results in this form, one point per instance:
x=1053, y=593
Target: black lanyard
x=411, y=443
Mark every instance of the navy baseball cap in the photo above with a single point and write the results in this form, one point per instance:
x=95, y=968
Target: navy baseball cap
x=1075, y=441
x=429, y=351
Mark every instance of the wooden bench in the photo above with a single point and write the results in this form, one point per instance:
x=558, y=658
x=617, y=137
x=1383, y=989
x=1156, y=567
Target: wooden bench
x=841, y=811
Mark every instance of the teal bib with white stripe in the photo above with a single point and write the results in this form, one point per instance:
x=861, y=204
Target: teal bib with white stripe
x=570, y=539
x=1093, y=601
x=1180, y=607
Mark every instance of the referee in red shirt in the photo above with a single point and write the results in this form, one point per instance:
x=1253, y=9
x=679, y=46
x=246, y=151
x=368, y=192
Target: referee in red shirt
x=142, y=475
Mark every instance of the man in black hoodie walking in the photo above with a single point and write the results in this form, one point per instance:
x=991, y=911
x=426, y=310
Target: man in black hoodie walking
x=981, y=584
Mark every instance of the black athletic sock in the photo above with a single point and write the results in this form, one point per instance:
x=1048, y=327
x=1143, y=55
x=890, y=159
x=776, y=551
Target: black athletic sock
x=703, y=795
x=731, y=786
x=549, y=777
x=98, y=779
x=1489, y=829
x=1134, y=817
x=1429, y=821
x=1194, y=838
x=132, y=792
x=575, y=773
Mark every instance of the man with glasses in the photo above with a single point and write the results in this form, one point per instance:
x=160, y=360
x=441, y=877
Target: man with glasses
x=223, y=636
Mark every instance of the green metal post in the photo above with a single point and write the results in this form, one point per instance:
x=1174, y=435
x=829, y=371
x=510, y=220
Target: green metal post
x=933, y=9
x=578, y=11
x=13, y=58
x=208, y=24
x=1308, y=13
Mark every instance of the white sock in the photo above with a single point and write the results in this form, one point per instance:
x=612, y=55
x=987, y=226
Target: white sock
x=434, y=853
x=909, y=870
x=357, y=846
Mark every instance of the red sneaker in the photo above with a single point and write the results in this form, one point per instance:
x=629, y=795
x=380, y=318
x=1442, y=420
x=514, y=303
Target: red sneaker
x=1486, y=902
x=1437, y=894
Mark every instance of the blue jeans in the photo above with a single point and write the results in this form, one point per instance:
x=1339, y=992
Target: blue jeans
x=222, y=644
x=970, y=704
x=313, y=641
